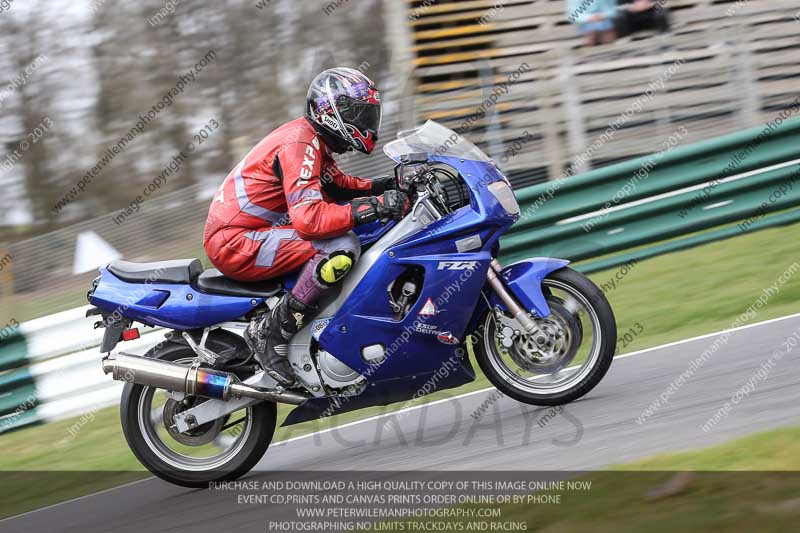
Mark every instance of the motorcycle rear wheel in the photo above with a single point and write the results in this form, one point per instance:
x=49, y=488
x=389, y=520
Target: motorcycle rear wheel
x=142, y=417
x=582, y=314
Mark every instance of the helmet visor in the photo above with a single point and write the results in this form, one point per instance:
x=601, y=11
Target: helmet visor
x=364, y=116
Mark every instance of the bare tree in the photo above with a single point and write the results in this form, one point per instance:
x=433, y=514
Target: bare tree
x=31, y=150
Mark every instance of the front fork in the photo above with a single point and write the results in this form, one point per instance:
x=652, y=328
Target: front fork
x=517, y=311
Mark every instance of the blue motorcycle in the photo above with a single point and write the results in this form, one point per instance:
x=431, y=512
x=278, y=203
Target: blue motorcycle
x=427, y=291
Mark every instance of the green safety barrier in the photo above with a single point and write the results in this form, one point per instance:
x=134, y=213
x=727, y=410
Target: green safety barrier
x=22, y=397
x=641, y=202
x=18, y=393
x=13, y=380
x=689, y=165
x=20, y=419
x=13, y=351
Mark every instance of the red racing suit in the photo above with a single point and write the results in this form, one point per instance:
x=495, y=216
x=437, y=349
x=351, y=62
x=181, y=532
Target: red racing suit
x=276, y=210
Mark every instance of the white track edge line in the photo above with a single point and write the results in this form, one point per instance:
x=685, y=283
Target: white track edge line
x=76, y=499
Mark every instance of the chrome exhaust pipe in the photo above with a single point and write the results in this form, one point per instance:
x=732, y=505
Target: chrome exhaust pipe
x=192, y=380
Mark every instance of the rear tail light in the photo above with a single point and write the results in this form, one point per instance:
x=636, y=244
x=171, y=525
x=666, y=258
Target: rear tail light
x=130, y=334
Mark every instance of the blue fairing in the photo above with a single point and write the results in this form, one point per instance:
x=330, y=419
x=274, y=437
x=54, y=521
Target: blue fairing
x=524, y=279
x=372, y=232
x=167, y=304
x=290, y=280
x=412, y=344
x=387, y=392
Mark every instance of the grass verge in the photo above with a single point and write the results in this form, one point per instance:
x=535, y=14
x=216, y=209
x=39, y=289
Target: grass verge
x=749, y=484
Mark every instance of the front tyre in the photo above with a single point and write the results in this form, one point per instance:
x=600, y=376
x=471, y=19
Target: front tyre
x=222, y=450
x=582, y=337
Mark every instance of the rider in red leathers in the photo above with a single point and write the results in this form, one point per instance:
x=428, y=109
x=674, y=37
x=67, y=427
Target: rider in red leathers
x=277, y=211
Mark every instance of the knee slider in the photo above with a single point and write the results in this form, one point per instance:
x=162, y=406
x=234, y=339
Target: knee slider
x=334, y=268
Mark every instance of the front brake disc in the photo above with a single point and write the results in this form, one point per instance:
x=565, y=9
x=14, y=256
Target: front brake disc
x=565, y=335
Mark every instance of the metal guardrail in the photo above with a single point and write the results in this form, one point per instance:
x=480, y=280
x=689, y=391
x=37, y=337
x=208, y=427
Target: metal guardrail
x=52, y=370
x=640, y=202
x=51, y=366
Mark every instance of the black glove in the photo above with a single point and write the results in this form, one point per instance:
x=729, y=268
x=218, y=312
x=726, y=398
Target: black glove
x=383, y=184
x=393, y=204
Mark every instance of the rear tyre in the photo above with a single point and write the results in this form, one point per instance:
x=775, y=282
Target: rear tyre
x=583, y=332
x=193, y=460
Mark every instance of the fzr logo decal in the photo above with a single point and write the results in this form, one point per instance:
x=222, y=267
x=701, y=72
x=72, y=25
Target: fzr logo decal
x=457, y=265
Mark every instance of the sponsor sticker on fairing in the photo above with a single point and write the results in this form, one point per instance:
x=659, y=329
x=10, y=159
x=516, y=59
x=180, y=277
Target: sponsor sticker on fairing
x=427, y=328
x=429, y=309
x=447, y=338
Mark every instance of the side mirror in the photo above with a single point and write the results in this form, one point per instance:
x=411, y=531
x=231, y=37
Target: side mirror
x=414, y=159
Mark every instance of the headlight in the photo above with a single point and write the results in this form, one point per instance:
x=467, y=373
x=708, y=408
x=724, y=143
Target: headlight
x=503, y=193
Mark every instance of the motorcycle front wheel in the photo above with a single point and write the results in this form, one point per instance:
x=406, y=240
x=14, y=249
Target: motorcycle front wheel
x=221, y=450
x=581, y=340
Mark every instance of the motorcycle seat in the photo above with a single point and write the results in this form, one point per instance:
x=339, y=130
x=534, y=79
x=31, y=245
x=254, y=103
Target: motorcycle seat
x=177, y=271
x=214, y=282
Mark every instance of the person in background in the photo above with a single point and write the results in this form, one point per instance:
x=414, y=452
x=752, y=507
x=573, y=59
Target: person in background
x=595, y=19
x=642, y=15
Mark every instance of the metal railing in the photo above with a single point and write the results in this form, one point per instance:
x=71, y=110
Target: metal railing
x=744, y=177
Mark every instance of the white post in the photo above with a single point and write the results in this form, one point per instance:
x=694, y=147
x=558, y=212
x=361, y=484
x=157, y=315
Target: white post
x=572, y=107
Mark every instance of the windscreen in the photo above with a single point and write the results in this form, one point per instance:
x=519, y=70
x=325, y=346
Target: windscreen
x=433, y=139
